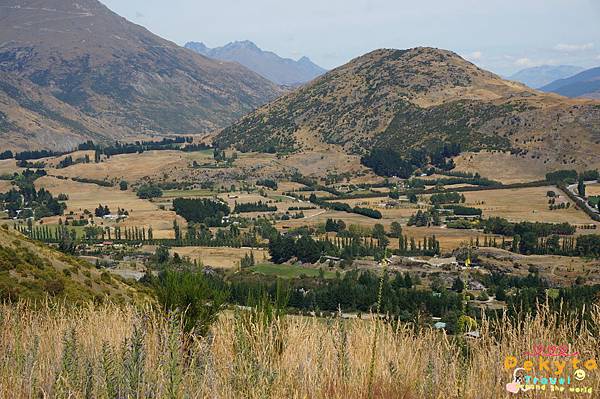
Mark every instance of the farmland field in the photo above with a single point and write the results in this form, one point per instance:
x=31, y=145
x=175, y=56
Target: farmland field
x=592, y=189
x=133, y=167
x=524, y=204
x=8, y=166
x=290, y=271
x=224, y=258
x=449, y=239
x=187, y=193
x=88, y=196
x=501, y=166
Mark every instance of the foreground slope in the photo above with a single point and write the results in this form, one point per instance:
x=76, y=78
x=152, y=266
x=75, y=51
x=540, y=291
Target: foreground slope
x=283, y=71
x=74, y=70
x=33, y=271
x=412, y=99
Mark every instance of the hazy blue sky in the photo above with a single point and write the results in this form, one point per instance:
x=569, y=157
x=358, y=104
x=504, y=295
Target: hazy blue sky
x=500, y=35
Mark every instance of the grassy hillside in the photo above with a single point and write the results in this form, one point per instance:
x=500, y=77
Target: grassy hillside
x=32, y=271
x=406, y=100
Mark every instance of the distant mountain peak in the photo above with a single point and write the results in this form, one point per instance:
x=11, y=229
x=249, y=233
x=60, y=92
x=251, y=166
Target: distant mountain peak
x=305, y=60
x=244, y=43
x=283, y=71
x=539, y=76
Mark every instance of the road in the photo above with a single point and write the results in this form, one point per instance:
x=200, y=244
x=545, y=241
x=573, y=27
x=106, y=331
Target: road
x=573, y=189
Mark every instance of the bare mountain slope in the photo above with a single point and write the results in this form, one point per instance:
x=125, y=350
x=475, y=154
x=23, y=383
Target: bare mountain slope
x=74, y=70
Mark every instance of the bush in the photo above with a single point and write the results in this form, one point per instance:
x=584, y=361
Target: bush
x=272, y=184
x=198, y=298
x=372, y=213
x=148, y=191
x=460, y=210
x=54, y=287
x=254, y=207
x=483, y=296
x=447, y=198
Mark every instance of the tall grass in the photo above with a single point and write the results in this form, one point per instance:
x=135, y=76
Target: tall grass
x=126, y=352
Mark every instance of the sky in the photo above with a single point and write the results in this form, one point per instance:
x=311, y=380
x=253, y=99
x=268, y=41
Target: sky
x=503, y=36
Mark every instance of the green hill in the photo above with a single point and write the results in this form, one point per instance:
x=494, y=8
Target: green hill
x=32, y=271
x=417, y=102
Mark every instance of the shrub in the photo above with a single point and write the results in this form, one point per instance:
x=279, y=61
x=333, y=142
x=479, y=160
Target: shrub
x=149, y=191
x=54, y=287
x=194, y=295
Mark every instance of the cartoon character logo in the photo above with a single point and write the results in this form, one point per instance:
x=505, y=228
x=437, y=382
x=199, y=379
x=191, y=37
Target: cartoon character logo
x=579, y=374
x=517, y=384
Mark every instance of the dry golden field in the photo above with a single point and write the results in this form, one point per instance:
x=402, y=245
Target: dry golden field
x=5, y=186
x=501, y=166
x=88, y=196
x=220, y=257
x=289, y=186
x=58, y=353
x=592, y=189
x=242, y=198
x=133, y=167
x=525, y=204
x=8, y=166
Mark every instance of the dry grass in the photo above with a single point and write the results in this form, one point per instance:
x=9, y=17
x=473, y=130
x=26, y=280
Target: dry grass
x=560, y=270
x=501, y=166
x=53, y=352
x=5, y=186
x=224, y=258
x=592, y=189
x=133, y=167
x=8, y=166
x=449, y=238
x=525, y=204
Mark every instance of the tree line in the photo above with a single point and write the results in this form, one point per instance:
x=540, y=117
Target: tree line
x=389, y=162
x=201, y=210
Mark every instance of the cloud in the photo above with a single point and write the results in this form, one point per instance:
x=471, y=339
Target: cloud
x=598, y=57
x=525, y=62
x=474, y=56
x=574, y=47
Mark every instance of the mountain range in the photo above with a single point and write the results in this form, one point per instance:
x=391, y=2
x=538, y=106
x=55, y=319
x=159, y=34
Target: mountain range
x=283, y=71
x=74, y=70
x=412, y=101
x=584, y=84
x=539, y=76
